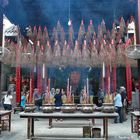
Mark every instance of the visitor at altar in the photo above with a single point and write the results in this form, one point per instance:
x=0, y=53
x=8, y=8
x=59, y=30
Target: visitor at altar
x=118, y=107
x=124, y=102
x=58, y=98
x=37, y=98
x=23, y=100
x=101, y=95
x=7, y=101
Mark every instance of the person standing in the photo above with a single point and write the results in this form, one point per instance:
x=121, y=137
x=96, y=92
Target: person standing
x=37, y=99
x=8, y=101
x=118, y=107
x=124, y=102
x=23, y=100
x=58, y=98
x=100, y=97
x=101, y=94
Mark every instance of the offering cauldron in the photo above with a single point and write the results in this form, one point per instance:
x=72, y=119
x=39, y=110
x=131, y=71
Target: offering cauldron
x=87, y=108
x=68, y=108
x=108, y=108
x=47, y=109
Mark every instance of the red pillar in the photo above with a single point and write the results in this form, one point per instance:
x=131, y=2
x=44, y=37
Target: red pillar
x=1, y=25
x=18, y=77
x=128, y=82
x=138, y=41
x=107, y=79
x=18, y=73
x=1, y=34
x=114, y=78
x=31, y=84
x=138, y=38
x=39, y=79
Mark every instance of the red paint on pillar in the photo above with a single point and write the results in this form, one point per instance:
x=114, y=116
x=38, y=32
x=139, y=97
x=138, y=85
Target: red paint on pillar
x=107, y=79
x=18, y=77
x=114, y=79
x=128, y=82
x=138, y=41
x=31, y=85
x=106, y=82
x=39, y=79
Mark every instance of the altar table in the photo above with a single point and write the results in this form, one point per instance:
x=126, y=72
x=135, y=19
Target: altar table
x=56, y=115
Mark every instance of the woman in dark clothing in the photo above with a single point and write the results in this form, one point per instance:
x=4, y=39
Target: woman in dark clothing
x=58, y=98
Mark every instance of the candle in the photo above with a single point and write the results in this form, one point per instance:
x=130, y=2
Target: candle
x=43, y=71
x=49, y=84
x=3, y=39
x=103, y=70
x=87, y=88
x=68, y=82
x=48, y=90
x=70, y=91
x=47, y=95
x=108, y=79
x=30, y=93
x=69, y=97
x=85, y=95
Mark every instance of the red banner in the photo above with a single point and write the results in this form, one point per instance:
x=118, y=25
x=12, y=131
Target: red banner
x=128, y=82
x=18, y=77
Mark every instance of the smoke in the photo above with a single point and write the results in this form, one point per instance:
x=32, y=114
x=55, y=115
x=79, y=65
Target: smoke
x=48, y=12
x=4, y=3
